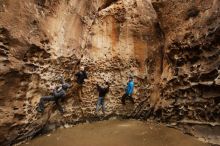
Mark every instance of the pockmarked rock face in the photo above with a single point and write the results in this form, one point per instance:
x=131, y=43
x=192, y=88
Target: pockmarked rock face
x=170, y=47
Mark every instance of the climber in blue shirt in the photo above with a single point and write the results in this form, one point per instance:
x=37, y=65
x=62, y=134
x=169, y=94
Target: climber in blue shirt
x=129, y=91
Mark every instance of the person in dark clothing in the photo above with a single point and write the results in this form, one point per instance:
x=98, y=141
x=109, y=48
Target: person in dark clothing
x=80, y=77
x=56, y=96
x=129, y=91
x=102, y=93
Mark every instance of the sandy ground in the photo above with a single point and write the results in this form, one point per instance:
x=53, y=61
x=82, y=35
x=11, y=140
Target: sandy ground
x=116, y=133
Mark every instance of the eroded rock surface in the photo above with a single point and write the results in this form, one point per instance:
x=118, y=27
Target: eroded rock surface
x=171, y=47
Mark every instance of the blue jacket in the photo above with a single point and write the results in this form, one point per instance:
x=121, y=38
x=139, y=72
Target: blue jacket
x=130, y=87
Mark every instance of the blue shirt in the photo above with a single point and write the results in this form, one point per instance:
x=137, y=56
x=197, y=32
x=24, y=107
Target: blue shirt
x=130, y=87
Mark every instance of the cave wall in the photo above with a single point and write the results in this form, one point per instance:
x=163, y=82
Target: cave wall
x=190, y=78
x=40, y=40
x=171, y=47
x=189, y=81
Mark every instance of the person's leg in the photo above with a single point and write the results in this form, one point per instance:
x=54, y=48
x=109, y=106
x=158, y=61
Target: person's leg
x=103, y=105
x=98, y=104
x=123, y=98
x=42, y=100
x=60, y=108
x=131, y=99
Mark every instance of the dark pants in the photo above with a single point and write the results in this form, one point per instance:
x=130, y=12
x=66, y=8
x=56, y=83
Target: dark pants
x=49, y=98
x=126, y=96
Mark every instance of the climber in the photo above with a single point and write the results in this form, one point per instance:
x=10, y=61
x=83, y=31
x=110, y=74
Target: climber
x=102, y=93
x=58, y=93
x=80, y=77
x=128, y=91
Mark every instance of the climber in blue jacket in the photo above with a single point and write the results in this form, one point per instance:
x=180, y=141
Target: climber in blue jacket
x=129, y=91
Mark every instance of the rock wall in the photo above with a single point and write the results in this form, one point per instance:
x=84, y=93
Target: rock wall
x=191, y=64
x=40, y=40
x=170, y=47
x=190, y=78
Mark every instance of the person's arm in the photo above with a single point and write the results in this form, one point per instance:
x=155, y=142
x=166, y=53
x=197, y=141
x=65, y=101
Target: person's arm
x=57, y=94
x=106, y=91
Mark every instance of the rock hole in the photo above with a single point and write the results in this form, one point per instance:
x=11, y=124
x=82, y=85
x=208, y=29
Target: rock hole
x=192, y=13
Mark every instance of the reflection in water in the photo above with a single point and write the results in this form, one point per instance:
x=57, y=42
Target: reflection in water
x=116, y=133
